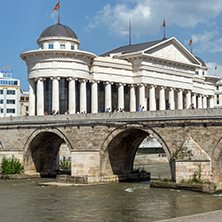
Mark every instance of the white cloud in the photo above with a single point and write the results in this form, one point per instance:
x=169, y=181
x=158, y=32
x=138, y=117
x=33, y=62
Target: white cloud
x=147, y=15
x=54, y=16
x=207, y=42
x=214, y=69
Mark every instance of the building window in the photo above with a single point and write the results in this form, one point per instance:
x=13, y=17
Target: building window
x=1, y=91
x=1, y=110
x=10, y=92
x=72, y=47
x=1, y=101
x=10, y=101
x=217, y=87
x=10, y=110
x=62, y=46
x=203, y=73
x=41, y=47
x=217, y=99
x=27, y=108
x=51, y=46
x=197, y=72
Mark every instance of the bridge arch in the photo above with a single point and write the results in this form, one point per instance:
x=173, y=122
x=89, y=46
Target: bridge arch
x=120, y=146
x=41, y=151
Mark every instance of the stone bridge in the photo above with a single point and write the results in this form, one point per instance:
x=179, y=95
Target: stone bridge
x=104, y=145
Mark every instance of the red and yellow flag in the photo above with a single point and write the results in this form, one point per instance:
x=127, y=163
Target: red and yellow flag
x=56, y=7
x=164, y=23
x=190, y=42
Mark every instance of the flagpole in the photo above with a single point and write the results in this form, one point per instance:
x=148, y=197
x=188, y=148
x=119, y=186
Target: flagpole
x=130, y=31
x=59, y=13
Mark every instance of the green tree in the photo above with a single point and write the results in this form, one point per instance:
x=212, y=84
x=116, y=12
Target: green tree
x=11, y=166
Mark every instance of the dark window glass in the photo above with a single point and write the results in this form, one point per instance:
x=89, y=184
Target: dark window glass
x=10, y=110
x=63, y=95
x=48, y=95
x=10, y=101
x=51, y=46
x=126, y=98
x=11, y=92
x=114, y=97
x=101, y=96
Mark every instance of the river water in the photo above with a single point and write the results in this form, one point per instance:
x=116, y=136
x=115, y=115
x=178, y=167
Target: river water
x=25, y=200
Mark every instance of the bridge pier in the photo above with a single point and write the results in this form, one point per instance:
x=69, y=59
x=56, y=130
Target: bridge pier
x=85, y=163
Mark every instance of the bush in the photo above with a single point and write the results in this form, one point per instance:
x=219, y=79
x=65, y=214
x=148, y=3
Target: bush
x=11, y=166
x=64, y=164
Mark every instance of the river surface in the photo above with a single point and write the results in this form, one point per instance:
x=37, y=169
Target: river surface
x=25, y=200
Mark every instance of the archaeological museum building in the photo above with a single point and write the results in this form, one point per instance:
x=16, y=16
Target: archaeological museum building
x=153, y=75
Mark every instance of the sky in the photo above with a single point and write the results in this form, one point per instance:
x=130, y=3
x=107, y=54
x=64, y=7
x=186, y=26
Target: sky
x=102, y=25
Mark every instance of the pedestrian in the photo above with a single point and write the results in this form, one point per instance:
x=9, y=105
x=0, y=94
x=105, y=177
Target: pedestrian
x=140, y=108
x=168, y=107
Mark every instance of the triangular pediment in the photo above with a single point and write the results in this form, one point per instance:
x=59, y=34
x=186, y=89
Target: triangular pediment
x=173, y=50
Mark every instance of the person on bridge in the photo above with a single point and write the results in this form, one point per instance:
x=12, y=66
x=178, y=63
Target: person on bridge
x=168, y=107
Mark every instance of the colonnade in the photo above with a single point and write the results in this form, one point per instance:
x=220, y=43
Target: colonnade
x=177, y=98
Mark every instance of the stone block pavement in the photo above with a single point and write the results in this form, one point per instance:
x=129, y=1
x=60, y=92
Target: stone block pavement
x=213, y=216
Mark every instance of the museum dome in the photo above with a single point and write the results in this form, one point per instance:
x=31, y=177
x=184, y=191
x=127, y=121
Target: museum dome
x=58, y=30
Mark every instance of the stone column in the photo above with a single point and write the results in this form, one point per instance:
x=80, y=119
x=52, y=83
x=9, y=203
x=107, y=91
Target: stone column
x=120, y=96
x=132, y=98
x=72, y=96
x=211, y=102
x=31, y=97
x=188, y=99
x=142, y=95
x=152, y=101
x=180, y=99
x=94, y=97
x=162, y=100
x=171, y=98
x=40, y=97
x=83, y=104
x=108, y=97
x=55, y=94
x=194, y=100
x=204, y=102
x=200, y=106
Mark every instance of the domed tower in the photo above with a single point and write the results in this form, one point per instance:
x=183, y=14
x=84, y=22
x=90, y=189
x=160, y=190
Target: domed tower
x=58, y=72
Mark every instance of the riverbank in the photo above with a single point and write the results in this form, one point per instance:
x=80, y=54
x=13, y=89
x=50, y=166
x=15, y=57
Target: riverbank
x=213, y=216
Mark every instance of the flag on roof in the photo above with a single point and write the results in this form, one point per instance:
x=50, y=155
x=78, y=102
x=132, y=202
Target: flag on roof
x=56, y=7
x=164, y=23
x=190, y=42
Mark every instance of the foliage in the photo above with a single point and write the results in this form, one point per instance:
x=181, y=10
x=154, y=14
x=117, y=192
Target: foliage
x=11, y=166
x=183, y=153
x=164, y=179
x=64, y=164
x=196, y=177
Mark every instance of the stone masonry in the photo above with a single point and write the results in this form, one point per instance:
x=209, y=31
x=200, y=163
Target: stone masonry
x=104, y=145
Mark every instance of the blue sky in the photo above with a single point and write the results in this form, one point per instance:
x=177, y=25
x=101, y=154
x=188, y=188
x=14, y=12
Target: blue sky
x=102, y=25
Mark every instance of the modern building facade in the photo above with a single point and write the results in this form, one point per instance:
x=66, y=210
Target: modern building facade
x=151, y=74
x=9, y=93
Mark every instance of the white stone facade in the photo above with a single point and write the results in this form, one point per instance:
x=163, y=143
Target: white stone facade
x=152, y=75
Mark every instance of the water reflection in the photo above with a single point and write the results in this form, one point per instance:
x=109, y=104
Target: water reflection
x=26, y=201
